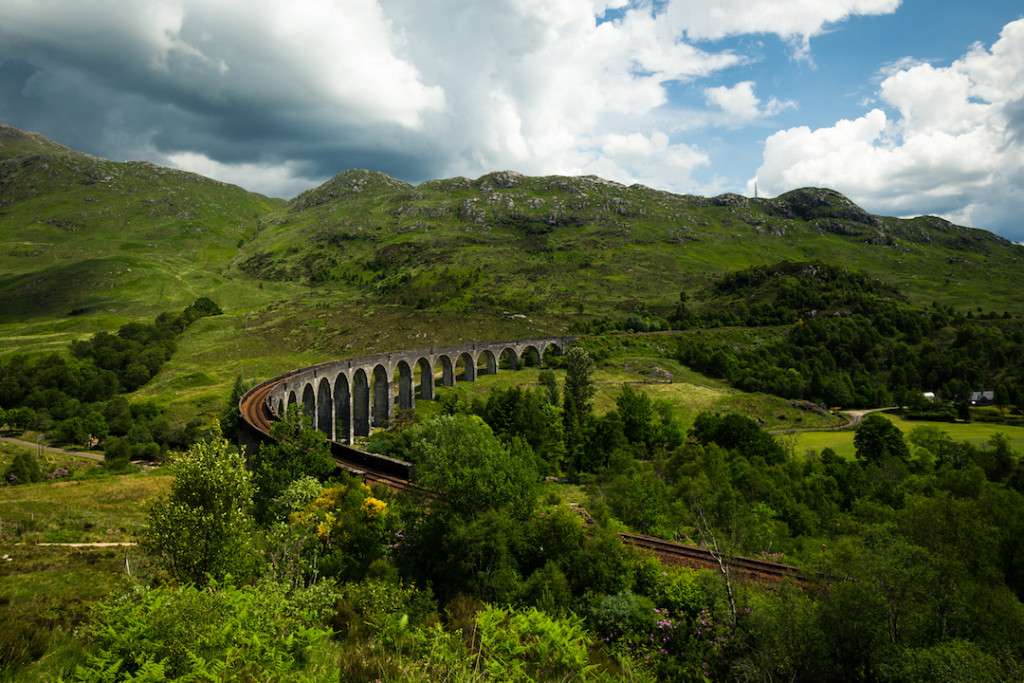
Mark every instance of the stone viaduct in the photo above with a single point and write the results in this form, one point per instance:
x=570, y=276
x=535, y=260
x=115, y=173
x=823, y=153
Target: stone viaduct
x=347, y=398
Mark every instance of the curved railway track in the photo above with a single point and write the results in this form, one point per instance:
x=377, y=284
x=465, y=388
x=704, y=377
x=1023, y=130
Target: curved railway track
x=257, y=417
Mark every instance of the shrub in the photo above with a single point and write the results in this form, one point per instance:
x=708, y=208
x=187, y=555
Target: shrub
x=24, y=469
x=116, y=452
x=256, y=633
x=525, y=645
x=202, y=530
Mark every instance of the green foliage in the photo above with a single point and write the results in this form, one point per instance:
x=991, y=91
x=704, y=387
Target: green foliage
x=855, y=342
x=878, y=439
x=460, y=457
x=530, y=415
x=624, y=615
x=230, y=418
x=547, y=379
x=529, y=645
x=954, y=661
x=202, y=530
x=737, y=432
x=346, y=529
x=75, y=398
x=254, y=633
x=24, y=469
x=297, y=450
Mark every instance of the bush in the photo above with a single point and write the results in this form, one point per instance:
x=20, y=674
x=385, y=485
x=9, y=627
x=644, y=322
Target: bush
x=71, y=431
x=202, y=530
x=256, y=633
x=24, y=469
x=117, y=452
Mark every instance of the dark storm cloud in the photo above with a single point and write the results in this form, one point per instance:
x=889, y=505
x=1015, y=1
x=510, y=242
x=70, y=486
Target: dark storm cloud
x=119, y=92
x=137, y=121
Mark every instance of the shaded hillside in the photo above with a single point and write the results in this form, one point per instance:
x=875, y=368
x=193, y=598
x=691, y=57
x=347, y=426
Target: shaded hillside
x=78, y=233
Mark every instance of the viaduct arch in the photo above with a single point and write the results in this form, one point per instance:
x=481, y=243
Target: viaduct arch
x=348, y=398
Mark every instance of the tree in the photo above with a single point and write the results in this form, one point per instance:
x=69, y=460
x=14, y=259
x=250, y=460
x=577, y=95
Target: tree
x=637, y=413
x=297, y=450
x=739, y=433
x=229, y=419
x=576, y=397
x=878, y=439
x=546, y=378
x=459, y=457
x=202, y=530
x=526, y=414
x=681, y=316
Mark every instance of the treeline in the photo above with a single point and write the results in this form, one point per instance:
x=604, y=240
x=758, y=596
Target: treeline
x=851, y=340
x=558, y=426
x=77, y=397
x=917, y=545
x=873, y=361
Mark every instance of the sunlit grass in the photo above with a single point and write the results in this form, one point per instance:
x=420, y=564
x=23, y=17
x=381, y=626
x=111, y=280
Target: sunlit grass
x=976, y=433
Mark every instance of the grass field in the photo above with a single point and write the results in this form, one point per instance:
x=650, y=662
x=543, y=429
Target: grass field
x=46, y=591
x=842, y=442
x=101, y=508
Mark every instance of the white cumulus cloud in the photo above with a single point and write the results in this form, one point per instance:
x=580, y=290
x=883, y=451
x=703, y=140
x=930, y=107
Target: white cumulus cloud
x=742, y=105
x=285, y=178
x=947, y=142
x=795, y=20
x=270, y=94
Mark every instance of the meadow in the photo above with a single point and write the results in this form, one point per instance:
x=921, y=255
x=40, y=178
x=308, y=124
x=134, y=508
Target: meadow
x=841, y=442
x=46, y=591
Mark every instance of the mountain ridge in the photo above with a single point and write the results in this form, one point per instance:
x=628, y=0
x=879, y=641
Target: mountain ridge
x=566, y=245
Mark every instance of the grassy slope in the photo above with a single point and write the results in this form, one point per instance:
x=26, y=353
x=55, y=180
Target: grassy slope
x=103, y=508
x=558, y=246
x=367, y=263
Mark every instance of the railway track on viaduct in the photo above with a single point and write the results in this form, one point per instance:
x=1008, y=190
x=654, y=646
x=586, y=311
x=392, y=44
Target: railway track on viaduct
x=344, y=414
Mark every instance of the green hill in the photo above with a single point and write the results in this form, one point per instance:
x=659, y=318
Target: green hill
x=82, y=235
x=567, y=248
x=366, y=262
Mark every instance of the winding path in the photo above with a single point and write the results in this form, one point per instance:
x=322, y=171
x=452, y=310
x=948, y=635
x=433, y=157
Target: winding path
x=853, y=420
x=31, y=445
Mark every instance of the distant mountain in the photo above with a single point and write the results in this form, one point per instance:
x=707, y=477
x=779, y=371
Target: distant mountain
x=582, y=245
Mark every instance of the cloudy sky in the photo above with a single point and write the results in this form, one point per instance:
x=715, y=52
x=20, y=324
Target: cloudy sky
x=907, y=107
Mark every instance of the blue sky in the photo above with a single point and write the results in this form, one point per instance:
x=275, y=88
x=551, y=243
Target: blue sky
x=908, y=107
x=842, y=70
